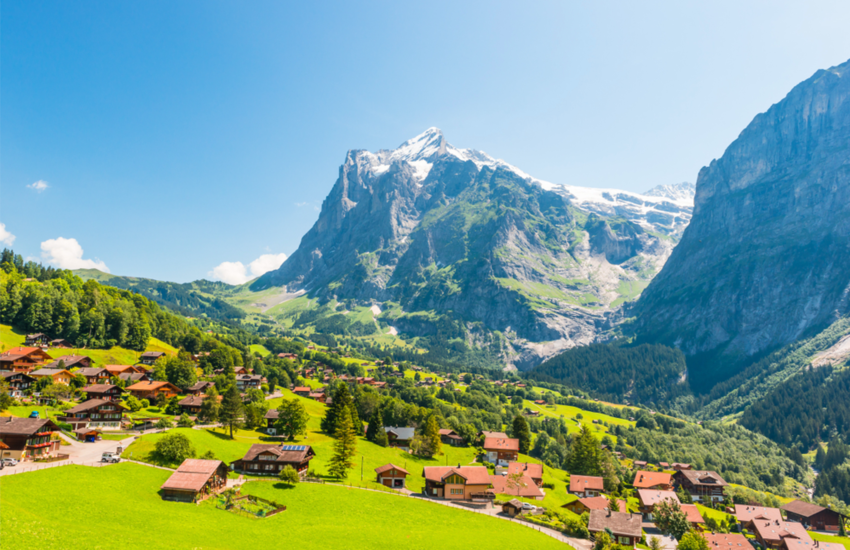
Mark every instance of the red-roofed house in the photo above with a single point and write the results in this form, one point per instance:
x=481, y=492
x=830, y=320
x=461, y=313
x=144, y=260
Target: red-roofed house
x=583, y=505
x=727, y=541
x=501, y=450
x=150, y=390
x=653, y=480
x=456, y=483
x=522, y=487
x=773, y=534
x=303, y=391
x=270, y=459
x=194, y=480
x=692, y=513
x=534, y=471
x=23, y=359
x=746, y=514
x=650, y=497
x=586, y=486
x=390, y=475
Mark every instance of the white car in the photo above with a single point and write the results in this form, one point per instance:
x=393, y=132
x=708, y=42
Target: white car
x=110, y=457
x=527, y=506
x=10, y=462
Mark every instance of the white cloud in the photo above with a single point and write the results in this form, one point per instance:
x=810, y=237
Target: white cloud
x=5, y=236
x=300, y=204
x=68, y=254
x=236, y=273
x=39, y=186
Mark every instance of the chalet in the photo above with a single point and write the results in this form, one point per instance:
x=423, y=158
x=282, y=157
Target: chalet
x=71, y=361
x=192, y=404
x=399, y=437
x=625, y=528
x=727, y=541
x=150, y=357
x=694, y=517
x=117, y=370
x=107, y=392
x=58, y=376
x=640, y=463
x=660, y=481
x=534, y=471
x=262, y=459
x=663, y=465
x=60, y=343
x=317, y=396
x=512, y=508
x=586, y=486
x=98, y=413
x=290, y=356
x=501, y=450
x=583, y=505
x=194, y=480
x=94, y=375
x=648, y=498
x=237, y=370
x=248, y=381
x=450, y=437
x=133, y=377
x=200, y=388
x=746, y=514
x=28, y=438
x=18, y=382
x=457, y=483
x=702, y=485
x=38, y=339
x=773, y=534
x=678, y=466
x=23, y=359
x=523, y=486
x=152, y=389
x=390, y=475
x=271, y=419
x=812, y=516
x=303, y=391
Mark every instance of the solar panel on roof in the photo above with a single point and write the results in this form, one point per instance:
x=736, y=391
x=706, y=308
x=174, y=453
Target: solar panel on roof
x=292, y=447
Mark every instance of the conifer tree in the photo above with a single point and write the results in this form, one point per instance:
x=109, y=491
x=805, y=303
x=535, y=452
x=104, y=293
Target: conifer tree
x=431, y=434
x=376, y=424
x=584, y=454
x=521, y=432
x=344, y=448
x=231, y=410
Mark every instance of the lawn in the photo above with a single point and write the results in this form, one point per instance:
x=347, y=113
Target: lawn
x=573, y=423
x=259, y=348
x=831, y=538
x=317, y=517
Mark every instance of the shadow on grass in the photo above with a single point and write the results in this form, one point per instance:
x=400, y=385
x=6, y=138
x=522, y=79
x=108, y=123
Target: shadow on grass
x=284, y=486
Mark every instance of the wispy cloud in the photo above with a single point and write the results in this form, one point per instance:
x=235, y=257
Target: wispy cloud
x=39, y=186
x=237, y=273
x=5, y=236
x=68, y=254
x=300, y=204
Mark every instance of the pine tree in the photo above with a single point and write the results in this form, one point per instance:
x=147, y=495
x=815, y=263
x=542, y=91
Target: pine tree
x=521, y=432
x=431, y=434
x=342, y=405
x=613, y=505
x=210, y=405
x=231, y=408
x=376, y=424
x=584, y=454
x=344, y=449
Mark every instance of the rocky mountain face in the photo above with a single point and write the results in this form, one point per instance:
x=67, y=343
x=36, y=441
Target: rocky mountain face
x=766, y=257
x=455, y=244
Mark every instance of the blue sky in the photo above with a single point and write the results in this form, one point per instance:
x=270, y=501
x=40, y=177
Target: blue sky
x=169, y=137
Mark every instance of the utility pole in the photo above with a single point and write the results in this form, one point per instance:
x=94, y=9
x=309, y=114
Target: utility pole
x=361, y=467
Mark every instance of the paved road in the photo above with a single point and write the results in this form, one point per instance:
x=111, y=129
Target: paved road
x=87, y=454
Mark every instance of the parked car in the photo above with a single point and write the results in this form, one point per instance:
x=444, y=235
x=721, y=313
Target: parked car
x=10, y=462
x=110, y=457
x=527, y=506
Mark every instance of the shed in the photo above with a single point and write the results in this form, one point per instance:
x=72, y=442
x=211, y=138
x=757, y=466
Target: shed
x=512, y=507
x=194, y=479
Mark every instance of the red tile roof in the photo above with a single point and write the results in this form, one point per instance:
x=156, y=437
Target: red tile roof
x=151, y=385
x=579, y=484
x=502, y=485
x=730, y=541
x=474, y=475
x=601, y=503
x=646, y=480
x=777, y=531
x=651, y=497
x=501, y=444
x=534, y=471
x=746, y=513
x=388, y=467
x=692, y=513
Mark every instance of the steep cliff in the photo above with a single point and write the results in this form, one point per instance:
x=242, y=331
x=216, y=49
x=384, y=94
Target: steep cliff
x=766, y=257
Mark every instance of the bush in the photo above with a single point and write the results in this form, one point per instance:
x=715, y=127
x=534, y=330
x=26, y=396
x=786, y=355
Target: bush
x=185, y=421
x=289, y=475
x=174, y=448
x=145, y=403
x=163, y=424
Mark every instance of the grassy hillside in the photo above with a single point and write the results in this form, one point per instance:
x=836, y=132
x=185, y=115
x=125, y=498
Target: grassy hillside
x=317, y=516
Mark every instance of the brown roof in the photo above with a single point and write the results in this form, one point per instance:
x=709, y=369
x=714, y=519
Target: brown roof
x=202, y=385
x=579, y=484
x=70, y=360
x=272, y=414
x=692, y=513
x=150, y=385
x=99, y=388
x=12, y=425
x=192, y=401
x=651, y=497
x=84, y=430
x=92, y=403
x=730, y=541
x=192, y=475
x=531, y=470
x=153, y=354
x=645, y=480
x=501, y=444
x=704, y=478
x=474, y=475
x=797, y=544
x=493, y=434
x=601, y=503
x=285, y=453
x=525, y=488
x=513, y=503
x=301, y=389
x=620, y=523
x=90, y=371
x=804, y=509
x=118, y=368
x=388, y=467
x=777, y=531
x=746, y=513
x=49, y=372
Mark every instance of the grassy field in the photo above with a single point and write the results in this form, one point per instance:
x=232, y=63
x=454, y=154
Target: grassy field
x=570, y=415
x=831, y=538
x=259, y=348
x=317, y=517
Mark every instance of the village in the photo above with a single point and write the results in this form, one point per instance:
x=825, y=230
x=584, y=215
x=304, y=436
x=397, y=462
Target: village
x=101, y=418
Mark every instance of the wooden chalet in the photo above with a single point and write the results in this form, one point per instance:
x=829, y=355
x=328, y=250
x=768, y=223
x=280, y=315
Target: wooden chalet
x=133, y=377
x=94, y=375
x=303, y=391
x=57, y=376
x=150, y=390
x=270, y=459
x=290, y=356
x=702, y=485
x=775, y=533
x=96, y=413
x=648, y=498
x=38, y=339
x=586, y=486
x=107, y=392
x=71, y=362
x=18, y=382
x=150, y=357
x=583, y=505
x=200, y=388
x=450, y=437
x=28, y=438
x=60, y=343
x=271, y=419
x=501, y=450
x=812, y=516
x=87, y=435
x=392, y=476
x=194, y=480
x=248, y=381
x=534, y=471
x=117, y=370
x=400, y=437
x=522, y=486
x=625, y=527
x=660, y=481
x=191, y=404
x=23, y=359
x=512, y=508
x=457, y=483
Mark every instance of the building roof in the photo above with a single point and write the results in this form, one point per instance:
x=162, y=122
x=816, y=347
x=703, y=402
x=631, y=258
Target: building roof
x=450, y=433
x=692, y=513
x=100, y=388
x=192, y=475
x=501, y=444
x=797, y=544
x=651, y=497
x=513, y=503
x=22, y=351
x=93, y=403
x=10, y=374
x=272, y=414
x=620, y=523
x=70, y=360
x=493, y=434
x=131, y=376
x=202, y=385
x=118, y=368
x=645, y=480
x=85, y=430
x=150, y=385
x=153, y=354
x=777, y=531
x=704, y=478
x=50, y=372
x=12, y=425
x=301, y=389
x=391, y=466
x=728, y=541
x=405, y=434
x=746, y=513
x=91, y=371
x=192, y=401
x=285, y=453
x=503, y=485
x=579, y=484
x=601, y=503
x=804, y=509
x=531, y=470
x=474, y=475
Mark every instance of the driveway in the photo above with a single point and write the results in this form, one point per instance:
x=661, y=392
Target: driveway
x=87, y=454
x=667, y=542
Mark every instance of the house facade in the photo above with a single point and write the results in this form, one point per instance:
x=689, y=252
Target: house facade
x=501, y=450
x=457, y=483
x=702, y=485
x=28, y=438
x=812, y=516
x=96, y=413
x=150, y=357
x=392, y=476
x=248, y=381
x=23, y=359
x=18, y=382
x=625, y=527
x=586, y=486
x=94, y=375
x=106, y=392
x=450, y=437
x=270, y=459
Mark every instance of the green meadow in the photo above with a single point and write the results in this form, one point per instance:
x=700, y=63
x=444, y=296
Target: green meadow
x=122, y=509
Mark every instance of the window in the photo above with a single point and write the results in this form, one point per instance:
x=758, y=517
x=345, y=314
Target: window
x=624, y=540
x=457, y=491
x=266, y=457
x=269, y=466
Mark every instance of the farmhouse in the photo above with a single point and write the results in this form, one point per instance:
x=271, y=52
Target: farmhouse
x=194, y=480
x=28, y=438
x=586, y=486
x=501, y=450
x=37, y=339
x=18, y=382
x=660, y=481
x=730, y=541
x=625, y=527
x=649, y=498
x=534, y=471
x=23, y=359
x=107, y=392
x=271, y=419
x=60, y=343
x=701, y=484
x=399, y=437
x=200, y=388
x=116, y=370
x=457, y=483
x=746, y=514
x=94, y=375
x=812, y=516
x=89, y=435
x=248, y=381
x=71, y=361
x=390, y=475
x=133, y=377
x=192, y=404
x=303, y=391
x=151, y=390
x=773, y=534
x=57, y=376
x=271, y=459
x=521, y=487
x=150, y=357
x=96, y=413
x=589, y=504
x=450, y=437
